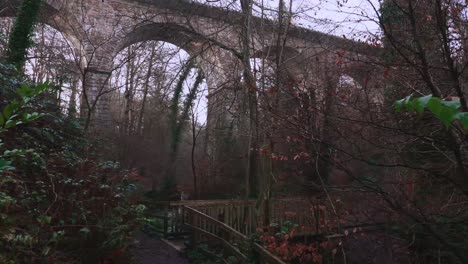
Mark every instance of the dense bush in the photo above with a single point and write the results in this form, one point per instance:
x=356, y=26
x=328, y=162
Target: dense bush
x=279, y=240
x=58, y=202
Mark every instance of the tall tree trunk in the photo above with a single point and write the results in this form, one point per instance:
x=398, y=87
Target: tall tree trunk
x=146, y=87
x=128, y=91
x=251, y=86
x=194, y=145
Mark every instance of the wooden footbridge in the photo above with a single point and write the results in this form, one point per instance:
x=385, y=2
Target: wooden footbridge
x=228, y=224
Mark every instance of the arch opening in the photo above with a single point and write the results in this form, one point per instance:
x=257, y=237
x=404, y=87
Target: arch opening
x=61, y=21
x=158, y=109
x=52, y=58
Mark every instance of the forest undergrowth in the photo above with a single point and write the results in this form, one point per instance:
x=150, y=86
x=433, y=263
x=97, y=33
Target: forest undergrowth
x=59, y=202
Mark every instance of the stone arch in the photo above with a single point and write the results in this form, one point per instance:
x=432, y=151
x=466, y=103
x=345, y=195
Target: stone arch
x=366, y=80
x=51, y=15
x=167, y=32
x=213, y=60
x=221, y=68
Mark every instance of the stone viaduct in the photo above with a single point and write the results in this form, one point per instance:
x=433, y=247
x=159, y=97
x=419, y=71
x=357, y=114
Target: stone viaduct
x=99, y=29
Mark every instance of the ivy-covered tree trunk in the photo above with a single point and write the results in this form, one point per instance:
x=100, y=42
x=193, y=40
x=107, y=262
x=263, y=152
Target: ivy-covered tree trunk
x=20, y=38
x=174, y=111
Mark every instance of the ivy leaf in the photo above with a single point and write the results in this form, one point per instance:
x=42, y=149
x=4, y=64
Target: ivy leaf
x=44, y=220
x=32, y=117
x=435, y=106
x=398, y=105
x=8, y=111
x=445, y=111
x=402, y=103
x=447, y=115
x=5, y=165
x=25, y=91
x=421, y=103
x=463, y=117
x=455, y=105
x=41, y=88
x=11, y=123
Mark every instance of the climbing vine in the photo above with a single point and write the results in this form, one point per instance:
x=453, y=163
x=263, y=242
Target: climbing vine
x=20, y=39
x=174, y=119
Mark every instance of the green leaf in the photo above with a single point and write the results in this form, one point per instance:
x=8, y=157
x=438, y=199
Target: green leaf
x=447, y=115
x=455, y=105
x=5, y=165
x=2, y=120
x=7, y=111
x=421, y=103
x=25, y=91
x=32, y=117
x=398, y=105
x=13, y=117
x=41, y=88
x=15, y=105
x=463, y=117
x=411, y=105
x=402, y=103
x=10, y=123
x=15, y=153
x=435, y=106
x=44, y=220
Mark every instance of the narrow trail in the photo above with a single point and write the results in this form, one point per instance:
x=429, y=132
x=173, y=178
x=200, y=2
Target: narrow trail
x=151, y=250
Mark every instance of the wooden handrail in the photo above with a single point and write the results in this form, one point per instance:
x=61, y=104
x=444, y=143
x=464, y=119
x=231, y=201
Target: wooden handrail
x=220, y=202
x=200, y=202
x=265, y=255
x=217, y=222
x=241, y=215
x=225, y=243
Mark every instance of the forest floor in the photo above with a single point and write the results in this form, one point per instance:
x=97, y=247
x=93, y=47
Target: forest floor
x=153, y=250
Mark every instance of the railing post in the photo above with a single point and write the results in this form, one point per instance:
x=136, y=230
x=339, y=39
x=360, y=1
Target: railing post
x=182, y=223
x=166, y=220
x=191, y=222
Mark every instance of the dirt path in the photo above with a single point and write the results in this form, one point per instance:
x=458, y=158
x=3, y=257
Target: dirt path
x=150, y=250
